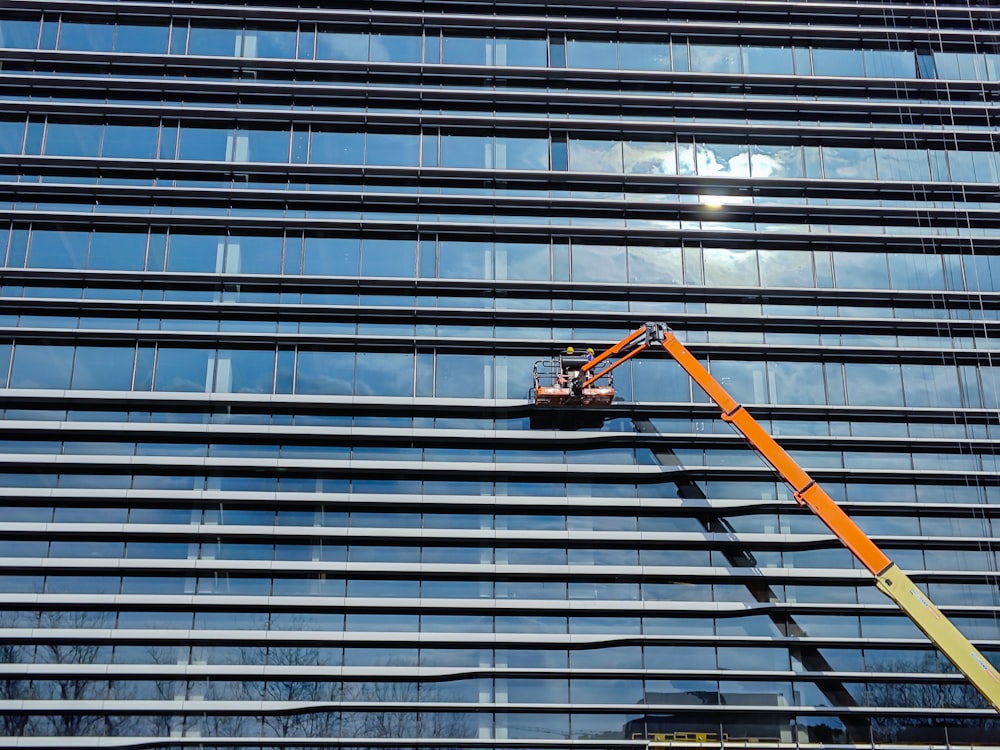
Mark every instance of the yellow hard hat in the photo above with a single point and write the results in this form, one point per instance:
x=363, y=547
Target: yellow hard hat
x=589, y=350
x=570, y=350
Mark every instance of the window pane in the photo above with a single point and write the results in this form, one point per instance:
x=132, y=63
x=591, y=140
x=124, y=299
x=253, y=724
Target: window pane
x=582, y=53
x=18, y=34
x=644, y=56
x=184, y=369
x=713, y=58
x=860, y=270
x=598, y=263
x=849, y=163
x=467, y=151
x=103, y=368
x=89, y=37
x=117, y=251
x=384, y=374
x=214, y=41
x=193, y=252
x=395, y=48
x=389, y=258
x=468, y=50
x=655, y=265
x=57, y=249
x=392, y=149
x=785, y=268
x=41, y=366
x=838, y=62
x=325, y=372
x=873, y=384
x=796, y=382
x=129, y=141
x=151, y=39
x=595, y=156
x=66, y=139
x=768, y=60
x=331, y=256
x=341, y=46
x=244, y=371
x=208, y=144
x=931, y=385
x=332, y=147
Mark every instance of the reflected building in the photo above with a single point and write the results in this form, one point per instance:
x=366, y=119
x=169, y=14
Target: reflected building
x=275, y=279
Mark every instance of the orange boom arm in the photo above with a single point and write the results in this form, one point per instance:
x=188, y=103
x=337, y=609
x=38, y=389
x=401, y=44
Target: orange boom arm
x=888, y=577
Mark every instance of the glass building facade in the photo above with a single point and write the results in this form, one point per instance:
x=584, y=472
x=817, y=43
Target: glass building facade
x=274, y=281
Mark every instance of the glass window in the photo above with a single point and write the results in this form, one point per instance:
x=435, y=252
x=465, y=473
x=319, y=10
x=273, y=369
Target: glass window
x=716, y=58
x=598, y=263
x=870, y=384
x=724, y=267
x=585, y=53
x=468, y=50
x=57, y=249
x=184, y=369
x=41, y=366
x=333, y=45
x=522, y=261
x=117, y=251
x=723, y=159
x=18, y=34
x=464, y=376
x=595, y=156
x=89, y=37
x=522, y=153
x=395, y=48
x=323, y=372
x=205, y=144
x=898, y=164
x=384, y=374
x=129, y=141
x=465, y=260
x=654, y=265
x=520, y=52
x=842, y=163
x=644, y=56
x=796, y=382
x=467, y=151
x=214, y=41
x=768, y=60
x=250, y=254
x=270, y=43
x=776, y=161
x=785, y=268
x=931, y=385
x=334, y=147
x=151, y=39
x=838, y=62
x=650, y=158
x=103, y=368
x=861, y=270
x=389, y=258
x=883, y=63
x=11, y=132
x=910, y=271
x=193, y=252
x=244, y=371
x=392, y=149
x=331, y=256
x=265, y=146
x=72, y=139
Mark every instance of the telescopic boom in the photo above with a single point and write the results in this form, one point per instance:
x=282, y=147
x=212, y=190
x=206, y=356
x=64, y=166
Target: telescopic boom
x=888, y=577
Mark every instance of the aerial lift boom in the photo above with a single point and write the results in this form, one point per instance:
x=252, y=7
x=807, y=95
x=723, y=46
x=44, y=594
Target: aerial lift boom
x=888, y=577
